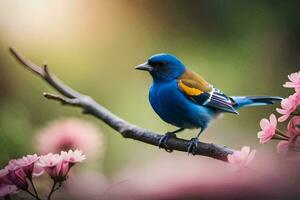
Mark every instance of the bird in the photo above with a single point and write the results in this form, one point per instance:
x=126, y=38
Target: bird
x=186, y=100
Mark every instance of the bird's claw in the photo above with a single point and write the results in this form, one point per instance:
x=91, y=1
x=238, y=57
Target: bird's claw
x=193, y=146
x=163, y=141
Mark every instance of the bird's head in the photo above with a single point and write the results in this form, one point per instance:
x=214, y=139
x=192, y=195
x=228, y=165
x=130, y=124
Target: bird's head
x=163, y=67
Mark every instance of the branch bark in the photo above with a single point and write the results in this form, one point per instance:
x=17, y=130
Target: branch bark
x=71, y=97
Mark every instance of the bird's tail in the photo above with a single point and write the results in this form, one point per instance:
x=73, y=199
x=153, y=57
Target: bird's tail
x=245, y=101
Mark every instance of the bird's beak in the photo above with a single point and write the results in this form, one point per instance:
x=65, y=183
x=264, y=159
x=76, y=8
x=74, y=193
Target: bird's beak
x=145, y=67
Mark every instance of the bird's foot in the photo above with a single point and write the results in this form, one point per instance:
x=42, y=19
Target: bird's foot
x=193, y=146
x=163, y=141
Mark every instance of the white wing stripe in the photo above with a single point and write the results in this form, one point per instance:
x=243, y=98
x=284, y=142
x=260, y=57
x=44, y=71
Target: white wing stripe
x=209, y=98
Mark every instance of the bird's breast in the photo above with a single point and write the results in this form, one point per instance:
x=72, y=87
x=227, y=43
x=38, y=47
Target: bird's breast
x=175, y=108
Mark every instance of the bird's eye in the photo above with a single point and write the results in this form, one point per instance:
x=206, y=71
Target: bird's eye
x=157, y=63
x=161, y=63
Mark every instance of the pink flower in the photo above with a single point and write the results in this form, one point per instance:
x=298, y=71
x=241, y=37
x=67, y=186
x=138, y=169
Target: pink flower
x=73, y=156
x=16, y=175
x=58, y=166
x=283, y=147
x=70, y=134
x=294, y=81
x=70, y=158
x=17, y=171
x=288, y=106
x=241, y=158
x=52, y=163
x=27, y=163
x=6, y=190
x=293, y=125
x=268, y=129
x=6, y=187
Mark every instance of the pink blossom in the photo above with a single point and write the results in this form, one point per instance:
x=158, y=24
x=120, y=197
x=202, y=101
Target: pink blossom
x=73, y=156
x=58, y=166
x=294, y=81
x=283, y=147
x=6, y=187
x=17, y=171
x=27, y=163
x=7, y=190
x=52, y=164
x=70, y=158
x=16, y=175
x=293, y=130
x=241, y=158
x=268, y=129
x=70, y=134
x=3, y=177
x=288, y=106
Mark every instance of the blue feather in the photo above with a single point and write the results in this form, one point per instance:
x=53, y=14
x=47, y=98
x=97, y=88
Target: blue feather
x=246, y=101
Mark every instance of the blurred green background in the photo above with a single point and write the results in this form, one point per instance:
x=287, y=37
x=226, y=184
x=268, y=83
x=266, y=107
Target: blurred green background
x=242, y=47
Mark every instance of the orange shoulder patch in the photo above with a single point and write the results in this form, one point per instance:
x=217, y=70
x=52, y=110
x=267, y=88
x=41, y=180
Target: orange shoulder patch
x=194, y=82
x=189, y=90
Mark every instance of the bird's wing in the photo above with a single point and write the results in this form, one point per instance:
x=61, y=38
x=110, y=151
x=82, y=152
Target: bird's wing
x=202, y=93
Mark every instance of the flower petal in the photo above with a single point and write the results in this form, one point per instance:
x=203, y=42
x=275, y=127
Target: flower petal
x=264, y=124
x=273, y=120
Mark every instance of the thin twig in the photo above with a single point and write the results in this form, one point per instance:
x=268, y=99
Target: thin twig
x=279, y=137
x=34, y=189
x=31, y=194
x=279, y=132
x=126, y=129
x=52, y=190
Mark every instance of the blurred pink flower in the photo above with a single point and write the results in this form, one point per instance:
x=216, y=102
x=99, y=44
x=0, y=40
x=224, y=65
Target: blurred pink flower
x=268, y=129
x=293, y=125
x=241, y=158
x=288, y=106
x=90, y=185
x=6, y=187
x=294, y=81
x=283, y=147
x=58, y=166
x=177, y=176
x=72, y=134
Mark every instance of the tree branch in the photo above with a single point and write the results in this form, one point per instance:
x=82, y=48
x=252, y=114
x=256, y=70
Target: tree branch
x=127, y=130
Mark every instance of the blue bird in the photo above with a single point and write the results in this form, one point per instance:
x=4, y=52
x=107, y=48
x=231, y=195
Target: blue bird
x=184, y=99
